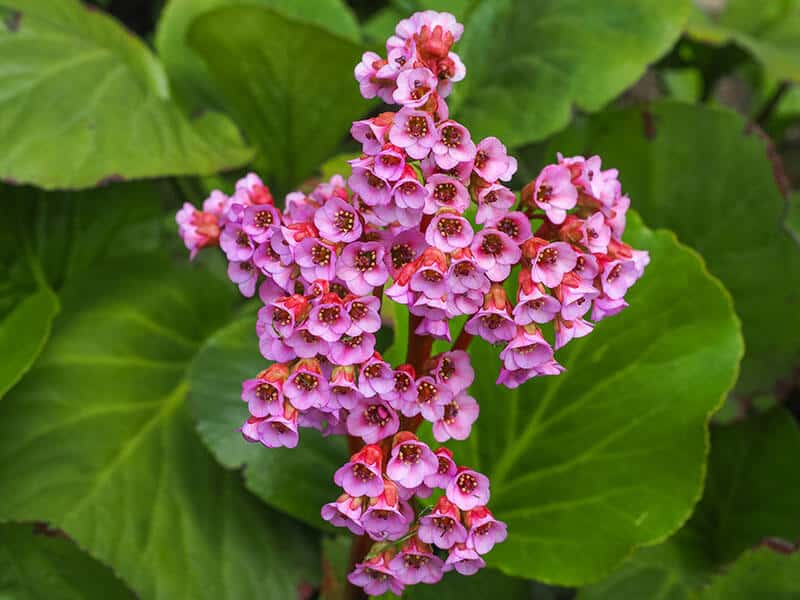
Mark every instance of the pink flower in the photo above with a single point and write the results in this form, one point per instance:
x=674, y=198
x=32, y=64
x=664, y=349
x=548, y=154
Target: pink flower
x=445, y=192
x=596, y=234
x=404, y=390
x=411, y=461
x=527, y=350
x=442, y=527
x=576, y=299
x=514, y=224
x=376, y=377
x=363, y=313
x=414, y=87
x=375, y=576
x=409, y=193
x=465, y=560
x=533, y=305
x=484, y=530
x=361, y=267
x=372, y=420
x=343, y=389
x=328, y=318
x=337, y=221
x=446, y=471
x=316, y=259
x=459, y=415
x=468, y=489
x=280, y=430
x=361, y=475
x=366, y=74
x=493, y=202
x=305, y=386
x=495, y=252
x=370, y=133
x=566, y=331
x=245, y=275
x=552, y=261
x=416, y=563
x=390, y=163
x=430, y=401
x=554, y=192
x=453, y=145
x=352, y=349
x=464, y=274
x=264, y=394
x=449, y=231
x=492, y=161
x=606, y=307
x=493, y=322
x=386, y=516
x=414, y=131
x=235, y=243
x=453, y=370
x=372, y=190
x=618, y=276
x=345, y=512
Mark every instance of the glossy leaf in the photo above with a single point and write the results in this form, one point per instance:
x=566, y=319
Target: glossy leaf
x=96, y=440
x=521, y=85
x=38, y=564
x=605, y=457
x=770, y=31
x=297, y=481
x=752, y=492
x=290, y=85
x=85, y=102
x=762, y=573
x=700, y=173
x=484, y=584
x=188, y=73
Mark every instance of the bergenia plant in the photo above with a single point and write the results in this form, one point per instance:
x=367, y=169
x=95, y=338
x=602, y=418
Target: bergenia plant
x=426, y=221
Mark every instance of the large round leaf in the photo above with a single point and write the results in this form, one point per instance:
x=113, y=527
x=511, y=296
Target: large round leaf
x=752, y=493
x=96, y=440
x=761, y=573
x=289, y=84
x=611, y=454
x=699, y=172
x=529, y=61
x=38, y=564
x=188, y=74
x=297, y=481
x=768, y=30
x=83, y=101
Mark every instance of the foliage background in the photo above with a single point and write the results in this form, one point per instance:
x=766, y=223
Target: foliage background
x=661, y=465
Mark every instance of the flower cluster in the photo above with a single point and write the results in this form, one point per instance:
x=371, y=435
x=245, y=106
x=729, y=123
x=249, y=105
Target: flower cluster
x=425, y=220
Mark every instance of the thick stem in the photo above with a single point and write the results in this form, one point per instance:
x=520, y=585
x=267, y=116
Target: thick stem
x=358, y=551
x=463, y=339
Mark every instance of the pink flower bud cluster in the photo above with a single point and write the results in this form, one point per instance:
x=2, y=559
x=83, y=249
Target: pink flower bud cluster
x=425, y=219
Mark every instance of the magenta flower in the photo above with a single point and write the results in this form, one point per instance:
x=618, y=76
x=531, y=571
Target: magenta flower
x=465, y=560
x=495, y=252
x=493, y=322
x=245, y=275
x=414, y=87
x=305, y=344
x=484, y=530
x=566, y=331
x=361, y=475
x=442, y=527
x=606, y=307
x=279, y=431
x=445, y=192
x=430, y=401
x=586, y=266
x=514, y=224
x=468, y=489
x=576, y=299
x=554, y=192
x=453, y=146
x=370, y=134
x=465, y=275
x=264, y=394
x=449, y=231
x=411, y=461
x=552, y=262
x=453, y=370
x=372, y=420
x=366, y=74
x=492, y=161
x=409, y=193
x=596, y=234
x=404, y=390
x=533, y=304
x=361, y=267
x=328, y=319
x=459, y=415
x=343, y=389
x=390, y=163
x=376, y=577
x=337, y=221
x=429, y=278
x=414, y=131
x=416, y=563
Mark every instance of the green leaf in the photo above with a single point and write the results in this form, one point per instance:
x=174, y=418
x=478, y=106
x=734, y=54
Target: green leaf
x=484, y=584
x=606, y=457
x=521, y=85
x=698, y=172
x=36, y=565
x=752, y=492
x=297, y=481
x=770, y=31
x=86, y=102
x=289, y=84
x=760, y=573
x=97, y=441
x=188, y=73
